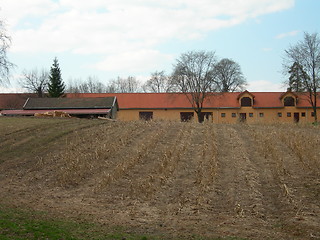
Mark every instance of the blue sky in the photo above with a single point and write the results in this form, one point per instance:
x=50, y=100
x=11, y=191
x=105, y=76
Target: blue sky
x=123, y=38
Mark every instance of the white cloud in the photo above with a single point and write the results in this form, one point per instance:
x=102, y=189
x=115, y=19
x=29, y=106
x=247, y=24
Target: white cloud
x=11, y=90
x=15, y=12
x=265, y=86
x=121, y=29
x=135, y=61
x=287, y=34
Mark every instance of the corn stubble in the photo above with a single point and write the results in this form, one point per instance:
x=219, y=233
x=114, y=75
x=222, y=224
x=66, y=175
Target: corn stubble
x=196, y=172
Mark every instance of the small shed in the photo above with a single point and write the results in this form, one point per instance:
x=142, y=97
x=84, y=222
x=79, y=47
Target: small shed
x=76, y=107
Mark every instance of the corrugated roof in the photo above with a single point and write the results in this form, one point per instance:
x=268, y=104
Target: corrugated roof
x=179, y=100
x=14, y=100
x=69, y=111
x=70, y=103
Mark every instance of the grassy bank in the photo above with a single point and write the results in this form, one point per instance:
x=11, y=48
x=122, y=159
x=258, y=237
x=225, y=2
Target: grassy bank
x=22, y=224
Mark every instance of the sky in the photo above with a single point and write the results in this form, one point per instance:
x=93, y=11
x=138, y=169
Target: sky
x=120, y=38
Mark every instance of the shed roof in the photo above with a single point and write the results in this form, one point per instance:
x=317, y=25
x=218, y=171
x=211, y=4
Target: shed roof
x=14, y=100
x=69, y=111
x=70, y=103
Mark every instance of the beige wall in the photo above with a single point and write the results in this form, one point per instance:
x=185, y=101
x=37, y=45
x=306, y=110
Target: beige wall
x=264, y=115
x=269, y=115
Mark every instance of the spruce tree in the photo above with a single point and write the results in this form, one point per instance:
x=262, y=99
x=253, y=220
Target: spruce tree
x=298, y=78
x=56, y=85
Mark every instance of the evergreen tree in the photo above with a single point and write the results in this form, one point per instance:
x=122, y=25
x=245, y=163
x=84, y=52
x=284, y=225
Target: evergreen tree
x=297, y=78
x=56, y=86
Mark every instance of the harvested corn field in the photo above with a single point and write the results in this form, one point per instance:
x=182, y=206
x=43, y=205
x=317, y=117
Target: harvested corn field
x=167, y=179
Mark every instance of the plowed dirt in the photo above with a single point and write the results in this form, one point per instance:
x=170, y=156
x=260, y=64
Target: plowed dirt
x=167, y=178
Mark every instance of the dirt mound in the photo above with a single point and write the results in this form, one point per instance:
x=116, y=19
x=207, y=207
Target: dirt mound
x=168, y=178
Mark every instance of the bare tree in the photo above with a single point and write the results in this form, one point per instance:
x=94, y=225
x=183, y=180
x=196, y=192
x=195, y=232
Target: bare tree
x=91, y=85
x=124, y=85
x=159, y=82
x=306, y=53
x=35, y=81
x=5, y=64
x=193, y=75
x=228, y=76
x=73, y=86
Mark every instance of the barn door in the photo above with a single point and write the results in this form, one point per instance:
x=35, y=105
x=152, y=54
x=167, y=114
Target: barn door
x=296, y=117
x=242, y=117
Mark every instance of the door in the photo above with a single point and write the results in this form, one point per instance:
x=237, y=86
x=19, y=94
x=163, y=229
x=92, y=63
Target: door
x=296, y=117
x=242, y=117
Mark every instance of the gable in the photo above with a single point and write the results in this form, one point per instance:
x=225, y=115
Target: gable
x=289, y=99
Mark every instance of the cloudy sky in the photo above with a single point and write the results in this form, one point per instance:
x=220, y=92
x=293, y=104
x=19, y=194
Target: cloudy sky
x=111, y=38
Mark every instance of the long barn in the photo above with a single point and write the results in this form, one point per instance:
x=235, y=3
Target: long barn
x=250, y=107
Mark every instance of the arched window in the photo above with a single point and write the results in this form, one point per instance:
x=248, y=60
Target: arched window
x=246, y=102
x=288, y=101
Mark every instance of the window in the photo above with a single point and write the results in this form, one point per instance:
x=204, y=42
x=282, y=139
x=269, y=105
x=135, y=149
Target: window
x=250, y=114
x=223, y=115
x=145, y=116
x=261, y=114
x=288, y=101
x=303, y=114
x=234, y=115
x=246, y=102
x=186, y=116
x=279, y=114
x=312, y=114
x=289, y=114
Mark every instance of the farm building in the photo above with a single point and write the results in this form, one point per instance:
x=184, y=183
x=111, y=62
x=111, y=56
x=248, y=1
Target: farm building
x=77, y=107
x=250, y=107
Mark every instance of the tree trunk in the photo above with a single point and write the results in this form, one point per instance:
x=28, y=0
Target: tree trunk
x=315, y=116
x=314, y=106
x=200, y=120
x=39, y=92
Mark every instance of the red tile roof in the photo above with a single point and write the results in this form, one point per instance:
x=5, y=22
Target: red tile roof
x=179, y=100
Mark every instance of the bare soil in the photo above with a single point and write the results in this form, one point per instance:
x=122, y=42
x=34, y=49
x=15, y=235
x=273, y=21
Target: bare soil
x=167, y=179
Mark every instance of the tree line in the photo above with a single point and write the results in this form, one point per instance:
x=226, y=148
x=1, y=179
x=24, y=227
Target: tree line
x=226, y=76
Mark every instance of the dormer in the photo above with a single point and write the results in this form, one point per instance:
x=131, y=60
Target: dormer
x=289, y=99
x=246, y=99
